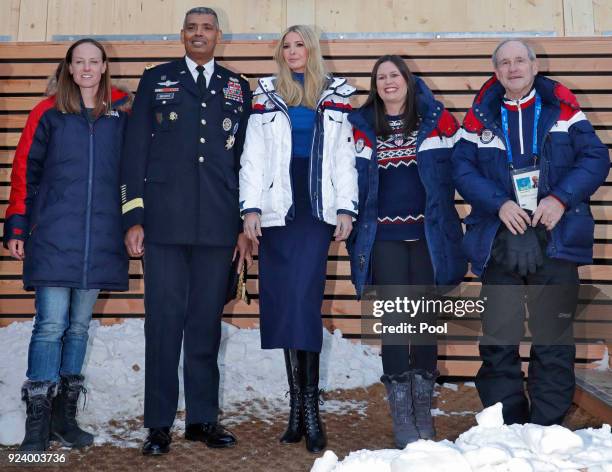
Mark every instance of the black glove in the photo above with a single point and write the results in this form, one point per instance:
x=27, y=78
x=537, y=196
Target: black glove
x=519, y=253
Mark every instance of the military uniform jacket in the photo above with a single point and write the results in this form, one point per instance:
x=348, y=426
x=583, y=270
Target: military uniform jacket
x=181, y=156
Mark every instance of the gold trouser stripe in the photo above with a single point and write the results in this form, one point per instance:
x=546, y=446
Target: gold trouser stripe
x=129, y=206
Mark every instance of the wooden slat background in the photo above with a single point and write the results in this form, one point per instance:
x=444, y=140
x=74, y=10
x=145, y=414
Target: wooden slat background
x=454, y=69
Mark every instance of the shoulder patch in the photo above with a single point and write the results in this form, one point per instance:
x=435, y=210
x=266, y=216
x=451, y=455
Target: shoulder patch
x=361, y=140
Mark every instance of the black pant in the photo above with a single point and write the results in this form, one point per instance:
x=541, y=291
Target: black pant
x=185, y=288
x=404, y=263
x=551, y=296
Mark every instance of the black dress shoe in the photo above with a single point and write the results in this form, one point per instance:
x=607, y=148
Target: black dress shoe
x=157, y=442
x=212, y=434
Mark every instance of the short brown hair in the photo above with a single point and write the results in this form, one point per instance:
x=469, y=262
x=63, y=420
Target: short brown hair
x=68, y=95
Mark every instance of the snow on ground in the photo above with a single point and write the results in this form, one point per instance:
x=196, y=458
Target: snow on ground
x=490, y=446
x=253, y=380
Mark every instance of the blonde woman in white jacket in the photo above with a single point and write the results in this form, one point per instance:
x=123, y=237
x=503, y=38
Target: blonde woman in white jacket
x=298, y=190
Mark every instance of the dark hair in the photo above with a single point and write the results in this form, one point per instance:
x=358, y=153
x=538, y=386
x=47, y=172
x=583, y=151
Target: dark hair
x=410, y=117
x=201, y=11
x=68, y=95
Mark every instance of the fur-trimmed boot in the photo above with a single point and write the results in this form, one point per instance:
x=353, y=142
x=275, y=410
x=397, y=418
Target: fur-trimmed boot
x=399, y=396
x=38, y=396
x=64, y=427
x=423, y=384
x=295, y=426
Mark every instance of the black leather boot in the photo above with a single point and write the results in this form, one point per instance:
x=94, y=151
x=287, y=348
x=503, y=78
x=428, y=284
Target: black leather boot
x=64, y=427
x=316, y=439
x=295, y=426
x=38, y=397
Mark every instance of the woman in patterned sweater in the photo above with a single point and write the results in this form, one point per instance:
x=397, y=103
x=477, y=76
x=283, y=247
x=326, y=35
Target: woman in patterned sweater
x=408, y=232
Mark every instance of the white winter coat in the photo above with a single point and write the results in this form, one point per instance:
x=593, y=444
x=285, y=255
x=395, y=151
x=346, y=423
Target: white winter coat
x=265, y=181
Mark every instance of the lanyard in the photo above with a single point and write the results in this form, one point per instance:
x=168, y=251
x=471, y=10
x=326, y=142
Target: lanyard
x=536, y=118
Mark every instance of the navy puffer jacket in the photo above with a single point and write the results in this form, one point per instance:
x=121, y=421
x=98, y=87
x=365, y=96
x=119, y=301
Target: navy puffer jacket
x=65, y=199
x=435, y=140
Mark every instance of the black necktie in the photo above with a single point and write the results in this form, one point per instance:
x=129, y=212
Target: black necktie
x=201, y=80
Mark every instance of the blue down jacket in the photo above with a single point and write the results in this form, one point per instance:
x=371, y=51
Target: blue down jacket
x=436, y=137
x=573, y=164
x=65, y=199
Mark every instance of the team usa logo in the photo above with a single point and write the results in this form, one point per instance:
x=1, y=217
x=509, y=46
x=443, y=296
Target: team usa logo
x=359, y=145
x=487, y=136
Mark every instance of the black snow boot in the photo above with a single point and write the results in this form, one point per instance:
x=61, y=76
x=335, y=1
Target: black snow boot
x=399, y=396
x=64, y=427
x=295, y=426
x=423, y=384
x=38, y=397
x=316, y=439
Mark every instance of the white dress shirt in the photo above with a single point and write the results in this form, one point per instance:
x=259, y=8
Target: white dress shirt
x=209, y=67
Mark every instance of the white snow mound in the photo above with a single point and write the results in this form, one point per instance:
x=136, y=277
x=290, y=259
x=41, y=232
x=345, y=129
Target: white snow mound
x=490, y=446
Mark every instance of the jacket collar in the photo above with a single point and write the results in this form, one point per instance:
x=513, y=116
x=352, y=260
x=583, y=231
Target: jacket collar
x=268, y=84
x=491, y=96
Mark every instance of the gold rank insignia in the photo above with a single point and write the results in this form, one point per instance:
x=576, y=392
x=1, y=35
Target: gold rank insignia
x=173, y=116
x=149, y=66
x=230, y=142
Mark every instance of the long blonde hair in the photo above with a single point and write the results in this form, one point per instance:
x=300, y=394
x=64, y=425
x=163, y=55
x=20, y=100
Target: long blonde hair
x=314, y=75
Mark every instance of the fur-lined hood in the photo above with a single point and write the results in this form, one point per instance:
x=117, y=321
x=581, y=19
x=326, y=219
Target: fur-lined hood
x=121, y=96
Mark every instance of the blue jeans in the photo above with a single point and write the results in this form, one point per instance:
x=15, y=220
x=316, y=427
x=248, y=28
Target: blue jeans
x=60, y=334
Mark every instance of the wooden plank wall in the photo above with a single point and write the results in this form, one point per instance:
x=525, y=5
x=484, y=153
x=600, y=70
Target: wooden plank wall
x=42, y=20
x=454, y=69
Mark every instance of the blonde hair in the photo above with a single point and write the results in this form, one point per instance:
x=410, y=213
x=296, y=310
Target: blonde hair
x=314, y=74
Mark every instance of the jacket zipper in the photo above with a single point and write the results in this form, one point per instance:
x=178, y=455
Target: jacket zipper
x=88, y=211
x=291, y=215
x=316, y=138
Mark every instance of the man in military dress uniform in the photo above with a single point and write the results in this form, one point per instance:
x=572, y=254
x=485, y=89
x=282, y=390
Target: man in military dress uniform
x=180, y=208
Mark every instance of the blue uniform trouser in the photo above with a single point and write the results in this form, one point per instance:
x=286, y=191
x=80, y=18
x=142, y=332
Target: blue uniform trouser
x=185, y=290
x=60, y=333
x=551, y=296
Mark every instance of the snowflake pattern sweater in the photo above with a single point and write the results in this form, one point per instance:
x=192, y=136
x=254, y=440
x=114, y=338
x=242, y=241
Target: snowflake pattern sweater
x=401, y=195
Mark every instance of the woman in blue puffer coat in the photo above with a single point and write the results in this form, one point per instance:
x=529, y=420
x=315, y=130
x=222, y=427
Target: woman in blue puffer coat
x=408, y=232
x=64, y=222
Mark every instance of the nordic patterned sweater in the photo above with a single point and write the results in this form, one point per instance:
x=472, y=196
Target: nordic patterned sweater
x=401, y=195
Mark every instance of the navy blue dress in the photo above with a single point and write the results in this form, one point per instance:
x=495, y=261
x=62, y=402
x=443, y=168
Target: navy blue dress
x=292, y=259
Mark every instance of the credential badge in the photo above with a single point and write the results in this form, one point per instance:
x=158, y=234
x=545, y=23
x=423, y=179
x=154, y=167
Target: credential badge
x=227, y=124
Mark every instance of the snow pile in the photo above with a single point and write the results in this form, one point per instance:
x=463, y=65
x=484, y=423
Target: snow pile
x=253, y=381
x=489, y=447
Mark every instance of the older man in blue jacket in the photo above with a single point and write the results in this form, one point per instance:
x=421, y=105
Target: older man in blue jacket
x=527, y=163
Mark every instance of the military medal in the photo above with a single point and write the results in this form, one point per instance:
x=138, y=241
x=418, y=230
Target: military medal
x=227, y=124
x=173, y=116
x=231, y=139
